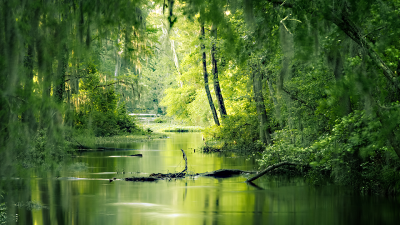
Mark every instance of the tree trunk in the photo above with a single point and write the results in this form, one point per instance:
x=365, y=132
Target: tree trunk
x=62, y=64
x=61, y=70
x=44, y=64
x=117, y=57
x=265, y=130
x=27, y=114
x=81, y=22
x=217, y=88
x=175, y=57
x=210, y=101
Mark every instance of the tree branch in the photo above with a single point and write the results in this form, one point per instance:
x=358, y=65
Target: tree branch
x=272, y=167
x=344, y=23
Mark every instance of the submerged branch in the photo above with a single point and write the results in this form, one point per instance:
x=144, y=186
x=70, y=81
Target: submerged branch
x=272, y=167
x=185, y=158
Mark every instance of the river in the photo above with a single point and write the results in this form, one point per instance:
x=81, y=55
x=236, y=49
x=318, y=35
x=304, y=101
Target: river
x=83, y=193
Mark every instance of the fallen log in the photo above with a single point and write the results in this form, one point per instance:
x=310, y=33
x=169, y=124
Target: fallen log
x=138, y=155
x=157, y=176
x=272, y=167
x=141, y=179
x=168, y=175
x=223, y=173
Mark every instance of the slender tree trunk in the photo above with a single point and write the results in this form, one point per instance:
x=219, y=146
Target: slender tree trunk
x=44, y=64
x=12, y=50
x=62, y=64
x=81, y=22
x=88, y=36
x=175, y=56
x=210, y=101
x=27, y=114
x=217, y=89
x=61, y=70
x=265, y=130
x=117, y=57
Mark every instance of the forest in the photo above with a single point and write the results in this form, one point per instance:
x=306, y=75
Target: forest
x=312, y=83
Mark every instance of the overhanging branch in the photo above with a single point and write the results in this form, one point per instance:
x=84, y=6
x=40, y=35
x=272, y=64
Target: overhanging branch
x=344, y=23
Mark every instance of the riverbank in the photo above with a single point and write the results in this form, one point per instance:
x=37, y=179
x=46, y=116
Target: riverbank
x=170, y=127
x=90, y=188
x=146, y=132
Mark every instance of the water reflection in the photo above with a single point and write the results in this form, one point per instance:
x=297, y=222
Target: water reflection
x=87, y=197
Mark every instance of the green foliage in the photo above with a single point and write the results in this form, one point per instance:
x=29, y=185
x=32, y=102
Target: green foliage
x=106, y=123
x=3, y=210
x=354, y=153
x=44, y=152
x=159, y=120
x=239, y=129
x=357, y=154
x=101, y=111
x=178, y=101
x=285, y=148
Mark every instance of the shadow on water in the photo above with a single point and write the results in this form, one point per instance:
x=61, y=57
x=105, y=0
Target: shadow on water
x=85, y=195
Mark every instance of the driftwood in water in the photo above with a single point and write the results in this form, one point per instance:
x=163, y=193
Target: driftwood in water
x=168, y=175
x=157, y=176
x=185, y=158
x=141, y=179
x=222, y=173
x=272, y=167
x=139, y=155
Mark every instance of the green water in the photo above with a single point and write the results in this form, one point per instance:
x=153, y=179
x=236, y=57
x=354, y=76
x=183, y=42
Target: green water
x=87, y=197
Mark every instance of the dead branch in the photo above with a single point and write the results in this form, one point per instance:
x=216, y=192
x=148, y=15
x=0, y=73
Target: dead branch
x=223, y=173
x=272, y=167
x=185, y=158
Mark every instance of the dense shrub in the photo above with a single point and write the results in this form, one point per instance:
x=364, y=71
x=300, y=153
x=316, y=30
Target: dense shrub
x=101, y=112
x=238, y=129
x=107, y=123
x=159, y=120
x=354, y=154
x=44, y=150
